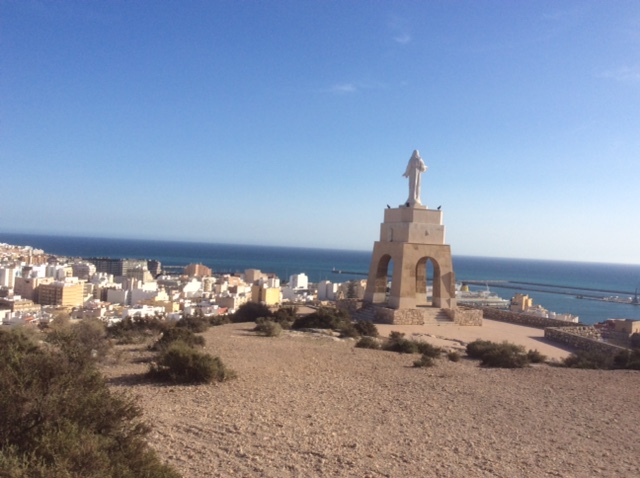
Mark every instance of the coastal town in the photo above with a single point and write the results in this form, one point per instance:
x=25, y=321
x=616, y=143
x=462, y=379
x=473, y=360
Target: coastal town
x=36, y=287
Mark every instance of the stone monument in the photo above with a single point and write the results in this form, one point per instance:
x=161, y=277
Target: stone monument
x=411, y=236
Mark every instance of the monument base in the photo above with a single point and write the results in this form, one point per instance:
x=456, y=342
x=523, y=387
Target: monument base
x=380, y=314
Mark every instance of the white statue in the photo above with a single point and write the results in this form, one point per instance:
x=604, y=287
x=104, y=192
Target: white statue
x=415, y=168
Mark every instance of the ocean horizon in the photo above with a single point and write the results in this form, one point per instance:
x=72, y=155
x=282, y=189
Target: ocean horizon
x=541, y=279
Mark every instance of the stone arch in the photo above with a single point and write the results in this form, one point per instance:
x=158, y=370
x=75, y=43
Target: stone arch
x=421, y=282
x=379, y=289
x=408, y=281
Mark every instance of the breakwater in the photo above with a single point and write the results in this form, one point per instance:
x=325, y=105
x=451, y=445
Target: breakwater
x=351, y=273
x=541, y=287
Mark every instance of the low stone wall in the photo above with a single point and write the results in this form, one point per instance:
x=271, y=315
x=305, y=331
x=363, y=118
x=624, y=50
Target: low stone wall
x=619, y=338
x=582, y=338
x=385, y=315
x=524, y=319
x=465, y=316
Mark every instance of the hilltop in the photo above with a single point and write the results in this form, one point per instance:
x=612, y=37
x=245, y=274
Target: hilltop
x=310, y=406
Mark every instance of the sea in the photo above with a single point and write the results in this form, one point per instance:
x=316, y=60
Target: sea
x=556, y=285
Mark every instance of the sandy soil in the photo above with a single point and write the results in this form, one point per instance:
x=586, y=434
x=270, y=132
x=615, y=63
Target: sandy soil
x=456, y=337
x=308, y=406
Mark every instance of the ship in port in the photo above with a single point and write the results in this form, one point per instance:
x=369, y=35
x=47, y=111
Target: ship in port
x=479, y=298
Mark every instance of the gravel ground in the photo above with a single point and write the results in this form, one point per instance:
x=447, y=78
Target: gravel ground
x=310, y=406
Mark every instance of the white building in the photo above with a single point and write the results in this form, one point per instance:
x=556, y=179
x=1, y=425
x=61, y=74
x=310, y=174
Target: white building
x=58, y=271
x=141, y=311
x=8, y=276
x=299, y=281
x=143, y=293
x=207, y=308
x=192, y=288
x=327, y=290
x=33, y=272
x=271, y=282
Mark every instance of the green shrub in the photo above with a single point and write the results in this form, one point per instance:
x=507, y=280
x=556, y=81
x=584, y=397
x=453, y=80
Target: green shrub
x=589, y=360
x=217, y=320
x=427, y=349
x=627, y=359
x=335, y=319
x=250, y=311
x=368, y=343
x=137, y=329
x=478, y=348
x=323, y=318
x=534, y=356
x=180, y=363
x=268, y=327
x=505, y=356
x=285, y=316
x=397, y=343
x=499, y=355
x=453, y=356
x=59, y=418
x=425, y=361
x=178, y=334
x=195, y=323
x=620, y=360
x=85, y=340
x=348, y=329
x=366, y=329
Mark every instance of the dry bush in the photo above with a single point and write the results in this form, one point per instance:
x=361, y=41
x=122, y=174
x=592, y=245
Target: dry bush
x=178, y=334
x=368, y=343
x=250, y=311
x=180, y=363
x=366, y=329
x=425, y=361
x=131, y=330
x=498, y=355
x=85, y=340
x=268, y=327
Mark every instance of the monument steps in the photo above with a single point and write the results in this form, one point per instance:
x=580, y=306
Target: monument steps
x=366, y=314
x=435, y=316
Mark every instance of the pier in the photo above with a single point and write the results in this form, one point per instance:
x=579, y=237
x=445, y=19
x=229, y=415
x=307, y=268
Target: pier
x=337, y=271
x=541, y=287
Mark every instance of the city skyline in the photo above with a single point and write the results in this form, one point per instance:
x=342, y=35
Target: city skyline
x=291, y=122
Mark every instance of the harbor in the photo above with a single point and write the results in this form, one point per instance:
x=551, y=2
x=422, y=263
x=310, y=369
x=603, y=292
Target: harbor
x=578, y=292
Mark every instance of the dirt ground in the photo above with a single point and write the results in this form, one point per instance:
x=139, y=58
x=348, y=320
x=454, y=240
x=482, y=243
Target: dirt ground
x=454, y=336
x=317, y=406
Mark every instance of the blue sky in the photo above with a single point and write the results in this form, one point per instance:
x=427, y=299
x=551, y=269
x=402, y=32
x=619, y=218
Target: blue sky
x=291, y=122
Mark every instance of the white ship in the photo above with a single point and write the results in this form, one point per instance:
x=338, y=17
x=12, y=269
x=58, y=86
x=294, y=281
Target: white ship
x=479, y=298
